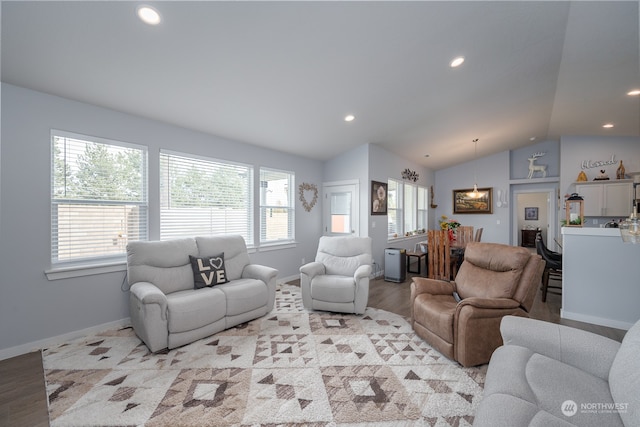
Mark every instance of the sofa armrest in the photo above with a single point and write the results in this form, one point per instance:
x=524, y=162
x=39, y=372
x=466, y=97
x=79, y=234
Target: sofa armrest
x=584, y=350
x=148, y=293
x=312, y=269
x=259, y=272
x=421, y=285
x=364, y=271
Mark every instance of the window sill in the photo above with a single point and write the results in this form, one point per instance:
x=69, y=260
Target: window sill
x=289, y=244
x=422, y=236
x=68, y=272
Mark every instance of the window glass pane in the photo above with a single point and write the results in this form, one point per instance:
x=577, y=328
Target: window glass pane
x=341, y=212
x=98, y=197
x=394, y=208
x=422, y=208
x=200, y=196
x=276, y=205
x=409, y=208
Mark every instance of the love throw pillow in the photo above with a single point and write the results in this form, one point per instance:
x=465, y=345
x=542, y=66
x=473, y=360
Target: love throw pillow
x=208, y=271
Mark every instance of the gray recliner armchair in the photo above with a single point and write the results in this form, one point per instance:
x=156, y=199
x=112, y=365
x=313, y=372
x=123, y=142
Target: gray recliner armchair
x=338, y=280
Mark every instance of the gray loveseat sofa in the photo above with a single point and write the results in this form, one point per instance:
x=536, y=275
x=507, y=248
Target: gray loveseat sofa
x=166, y=308
x=556, y=376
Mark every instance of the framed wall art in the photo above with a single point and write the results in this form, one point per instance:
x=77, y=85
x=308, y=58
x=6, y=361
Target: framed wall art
x=531, y=214
x=464, y=201
x=378, y=198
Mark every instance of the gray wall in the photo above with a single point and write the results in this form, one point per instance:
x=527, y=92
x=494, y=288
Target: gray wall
x=371, y=162
x=33, y=308
x=492, y=171
x=384, y=165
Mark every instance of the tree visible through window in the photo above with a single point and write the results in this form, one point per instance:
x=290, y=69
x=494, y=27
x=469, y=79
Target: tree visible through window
x=98, y=197
x=200, y=196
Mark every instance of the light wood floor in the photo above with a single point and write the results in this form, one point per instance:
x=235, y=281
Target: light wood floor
x=23, y=400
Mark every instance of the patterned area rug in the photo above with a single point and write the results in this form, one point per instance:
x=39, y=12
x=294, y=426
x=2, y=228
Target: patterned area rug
x=291, y=367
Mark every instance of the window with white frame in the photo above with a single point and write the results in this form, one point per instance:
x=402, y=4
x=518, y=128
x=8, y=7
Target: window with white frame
x=201, y=196
x=277, y=206
x=406, y=208
x=98, y=198
x=394, y=208
x=423, y=208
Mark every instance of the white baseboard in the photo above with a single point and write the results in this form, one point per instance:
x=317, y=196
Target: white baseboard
x=611, y=323
x=288, y=279
x=59, y=339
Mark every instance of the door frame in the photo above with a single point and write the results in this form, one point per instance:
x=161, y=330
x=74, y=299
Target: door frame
x=552, y=211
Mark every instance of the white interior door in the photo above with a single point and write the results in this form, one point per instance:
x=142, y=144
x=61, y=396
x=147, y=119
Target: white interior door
x=340, y=209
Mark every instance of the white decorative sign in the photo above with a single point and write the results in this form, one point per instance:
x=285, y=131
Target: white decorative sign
x=587, y=164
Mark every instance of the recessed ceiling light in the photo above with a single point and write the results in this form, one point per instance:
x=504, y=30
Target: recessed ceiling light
x=457, y=62
x=607, y=125
x=148, y=15
x=634, y=92
x=533, y=138
x=349, y=118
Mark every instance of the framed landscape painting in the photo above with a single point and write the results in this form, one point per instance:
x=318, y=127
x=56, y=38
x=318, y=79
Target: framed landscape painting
x=464, y=203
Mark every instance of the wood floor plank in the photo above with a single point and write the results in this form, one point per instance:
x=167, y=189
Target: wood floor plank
x=23, y=396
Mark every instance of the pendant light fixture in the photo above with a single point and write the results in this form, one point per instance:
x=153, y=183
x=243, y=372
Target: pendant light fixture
x=475, y=194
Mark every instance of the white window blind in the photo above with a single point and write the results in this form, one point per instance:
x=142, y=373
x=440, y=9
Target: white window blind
x=276, y=206
x=203, y=196
x=98, y=198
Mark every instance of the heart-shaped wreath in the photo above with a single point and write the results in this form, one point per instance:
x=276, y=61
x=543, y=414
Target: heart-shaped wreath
x=308, y=187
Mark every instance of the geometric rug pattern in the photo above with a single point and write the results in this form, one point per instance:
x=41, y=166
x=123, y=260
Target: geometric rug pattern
x=292, y=367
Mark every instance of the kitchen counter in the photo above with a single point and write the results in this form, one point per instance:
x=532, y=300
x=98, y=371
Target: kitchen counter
x=600, y=277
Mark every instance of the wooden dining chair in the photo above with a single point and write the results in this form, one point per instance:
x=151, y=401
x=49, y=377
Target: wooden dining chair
x=478, y=236
x=464, y=235
x=438, y=255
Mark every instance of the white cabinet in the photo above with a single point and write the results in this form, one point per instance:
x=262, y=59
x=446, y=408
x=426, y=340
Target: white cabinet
x=606, y=198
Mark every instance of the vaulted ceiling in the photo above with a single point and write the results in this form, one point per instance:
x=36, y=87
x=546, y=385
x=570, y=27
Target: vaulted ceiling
x=284, y=74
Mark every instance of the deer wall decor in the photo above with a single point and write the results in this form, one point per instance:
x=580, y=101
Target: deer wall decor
x=536, y=168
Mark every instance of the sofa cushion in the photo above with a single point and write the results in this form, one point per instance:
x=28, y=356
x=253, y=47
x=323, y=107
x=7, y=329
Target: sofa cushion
x=503, y=410
x=194, y=308
x=236, y=257
x=547, y=383
x=164, y=263
x=493, y=273
x=208, y=271
x=624, y=376
x=244, y=295
x=332, y=288
x=342, y=256
x=436, y=312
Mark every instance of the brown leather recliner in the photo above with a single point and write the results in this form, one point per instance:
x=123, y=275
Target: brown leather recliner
x=494, y=280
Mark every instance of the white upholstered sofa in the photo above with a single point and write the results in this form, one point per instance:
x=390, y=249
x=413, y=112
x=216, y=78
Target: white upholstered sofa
x=166, y=308
x=549, y=375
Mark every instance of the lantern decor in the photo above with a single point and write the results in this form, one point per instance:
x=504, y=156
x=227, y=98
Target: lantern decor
x=574, y=209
